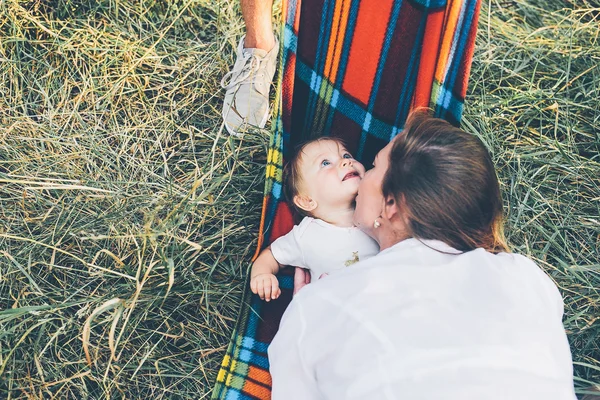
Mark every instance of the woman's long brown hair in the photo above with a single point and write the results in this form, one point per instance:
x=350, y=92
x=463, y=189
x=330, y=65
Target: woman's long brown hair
x=446, y=182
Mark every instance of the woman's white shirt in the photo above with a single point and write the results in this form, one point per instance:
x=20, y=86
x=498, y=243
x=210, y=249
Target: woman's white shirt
x=415, y=323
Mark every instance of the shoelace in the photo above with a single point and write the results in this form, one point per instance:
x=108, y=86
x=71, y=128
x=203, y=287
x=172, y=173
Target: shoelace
x=236, y=76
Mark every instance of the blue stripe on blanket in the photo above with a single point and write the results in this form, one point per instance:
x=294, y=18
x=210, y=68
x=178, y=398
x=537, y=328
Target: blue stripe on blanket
x=234, y=394
x=348, y=107
x=285, y=281
x=250, y=357
x=290, y=41
x=320, y=56
x=391, y=28
x=349, y=34
x=251, y=344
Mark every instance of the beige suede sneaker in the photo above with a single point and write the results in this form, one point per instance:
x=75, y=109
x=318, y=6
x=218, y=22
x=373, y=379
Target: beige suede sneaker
x=247, y=88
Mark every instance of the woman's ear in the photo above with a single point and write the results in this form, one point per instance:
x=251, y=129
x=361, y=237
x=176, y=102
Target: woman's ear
x=305, y=203
x=394, y=210
x=391, y=208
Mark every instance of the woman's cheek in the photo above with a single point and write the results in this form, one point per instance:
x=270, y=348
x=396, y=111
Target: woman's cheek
x=361, y=212
x=357, y=215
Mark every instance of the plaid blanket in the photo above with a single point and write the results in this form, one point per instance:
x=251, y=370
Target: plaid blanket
x=353, y=69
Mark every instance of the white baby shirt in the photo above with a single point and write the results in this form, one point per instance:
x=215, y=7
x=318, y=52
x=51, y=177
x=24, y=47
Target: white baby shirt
x=322, y=247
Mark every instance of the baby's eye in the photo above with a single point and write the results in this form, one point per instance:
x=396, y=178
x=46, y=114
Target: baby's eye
x=348, y=155
x=325, y=163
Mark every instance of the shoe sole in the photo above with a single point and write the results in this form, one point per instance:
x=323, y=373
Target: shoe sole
x=262, y=124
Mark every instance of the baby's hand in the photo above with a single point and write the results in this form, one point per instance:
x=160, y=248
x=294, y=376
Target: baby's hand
x=266, y=286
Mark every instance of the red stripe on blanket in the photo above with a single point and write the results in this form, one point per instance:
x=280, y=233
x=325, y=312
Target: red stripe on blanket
x=258, y=391
x=259, y=375
x=367, y=41
x=429, y=56
x=287, y=92
x=282, y=223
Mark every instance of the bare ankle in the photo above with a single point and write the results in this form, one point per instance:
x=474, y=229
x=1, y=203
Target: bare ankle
x=263, y=42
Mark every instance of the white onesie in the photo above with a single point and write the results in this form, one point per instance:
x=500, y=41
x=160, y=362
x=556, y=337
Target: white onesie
x=322, y=247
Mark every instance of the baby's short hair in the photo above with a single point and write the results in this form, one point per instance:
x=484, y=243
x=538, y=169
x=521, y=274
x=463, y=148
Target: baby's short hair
x=291, y=173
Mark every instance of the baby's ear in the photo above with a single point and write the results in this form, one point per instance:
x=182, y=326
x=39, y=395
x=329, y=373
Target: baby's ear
x=305, y=203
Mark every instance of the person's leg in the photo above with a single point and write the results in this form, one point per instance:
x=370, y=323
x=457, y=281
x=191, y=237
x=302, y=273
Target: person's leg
x=259, y=26
x=246, y=101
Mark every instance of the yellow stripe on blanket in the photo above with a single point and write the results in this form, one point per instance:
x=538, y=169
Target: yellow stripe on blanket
x=223, y=370
x=274, y=159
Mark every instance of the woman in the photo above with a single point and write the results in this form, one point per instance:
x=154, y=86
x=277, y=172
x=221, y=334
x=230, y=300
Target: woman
x=443, y=311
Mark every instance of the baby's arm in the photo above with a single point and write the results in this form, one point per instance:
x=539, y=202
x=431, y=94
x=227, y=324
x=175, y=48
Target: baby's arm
x=262, y=277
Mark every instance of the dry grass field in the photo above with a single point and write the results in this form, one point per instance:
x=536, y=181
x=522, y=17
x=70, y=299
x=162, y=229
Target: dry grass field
x=128, y=217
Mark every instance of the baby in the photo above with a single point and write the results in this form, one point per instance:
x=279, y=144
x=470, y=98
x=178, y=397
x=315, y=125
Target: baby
x=321, y=183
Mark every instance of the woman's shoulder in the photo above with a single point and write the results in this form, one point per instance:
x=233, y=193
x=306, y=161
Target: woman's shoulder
x=513, y=262
x=523, y=269
x=517, y=261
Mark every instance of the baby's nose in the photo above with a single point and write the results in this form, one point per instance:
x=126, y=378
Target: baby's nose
x=346, y=162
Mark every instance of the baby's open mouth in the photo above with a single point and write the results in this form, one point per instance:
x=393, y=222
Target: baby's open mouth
x=350, y=175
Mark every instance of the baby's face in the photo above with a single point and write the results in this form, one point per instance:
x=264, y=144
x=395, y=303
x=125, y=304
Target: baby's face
x=329, y=174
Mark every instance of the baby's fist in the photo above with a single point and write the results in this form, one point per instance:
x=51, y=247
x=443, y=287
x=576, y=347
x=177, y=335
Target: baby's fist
x=266, y=286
